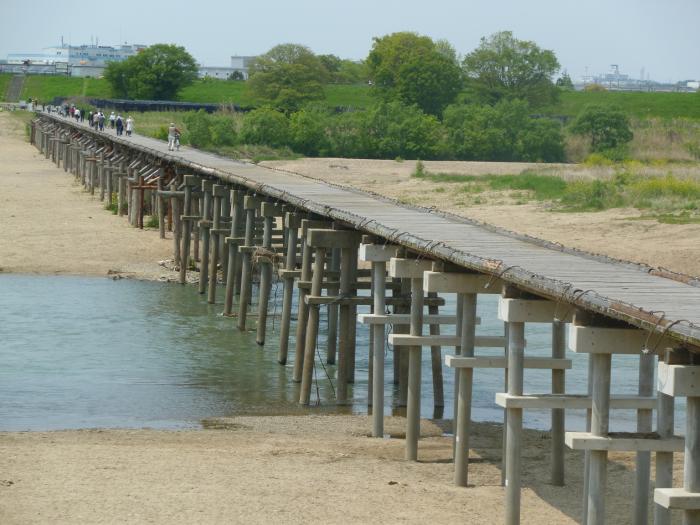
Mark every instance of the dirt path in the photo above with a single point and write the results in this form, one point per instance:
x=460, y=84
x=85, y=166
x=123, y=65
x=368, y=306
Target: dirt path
x=51, y=226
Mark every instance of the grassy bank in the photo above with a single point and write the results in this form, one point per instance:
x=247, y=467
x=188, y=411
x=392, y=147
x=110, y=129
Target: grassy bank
x=4, y=83
x=45, y=88
x=639, y=105
x=669, y=198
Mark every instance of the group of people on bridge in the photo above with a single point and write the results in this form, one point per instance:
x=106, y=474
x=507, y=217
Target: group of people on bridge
x=96, y=119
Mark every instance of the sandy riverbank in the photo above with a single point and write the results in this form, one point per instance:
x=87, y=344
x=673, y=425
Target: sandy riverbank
x=312, y=469
x=321, y=469
x=51, y=226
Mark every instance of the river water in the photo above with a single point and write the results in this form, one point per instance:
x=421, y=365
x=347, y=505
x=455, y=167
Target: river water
x=79, y=352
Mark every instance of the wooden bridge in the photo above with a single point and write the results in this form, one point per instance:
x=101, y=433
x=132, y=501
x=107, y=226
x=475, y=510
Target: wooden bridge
x=234, y=217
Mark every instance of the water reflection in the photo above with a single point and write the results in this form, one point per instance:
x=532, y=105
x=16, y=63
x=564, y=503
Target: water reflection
x=89, y=352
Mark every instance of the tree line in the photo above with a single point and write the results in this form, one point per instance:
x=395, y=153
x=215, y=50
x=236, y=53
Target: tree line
x=429, y=102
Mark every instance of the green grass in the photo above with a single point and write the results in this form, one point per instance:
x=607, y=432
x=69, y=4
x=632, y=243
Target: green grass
x=216, y=91
x=640, y=105
x=538, y=187
x=45, y=88
x=668, y=199
x=348, y=95
x=4, y=83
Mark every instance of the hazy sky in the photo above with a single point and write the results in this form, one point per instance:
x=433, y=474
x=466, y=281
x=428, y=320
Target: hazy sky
x=661, y=36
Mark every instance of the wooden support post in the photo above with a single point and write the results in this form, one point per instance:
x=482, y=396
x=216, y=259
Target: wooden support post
x=436, y=362
x=558, y=416
x=514, y=421
x=644, y=425
x=269, y=211
x=414, y=372
x=312, y=328
x=250, y=204
x=352, y=325
x=378, y=255
x=101, y=176
x=332, y=345
x=177, y=224
x=599, y=427
x=225, y=218
x=121, y=193
x=378, y=291
x=462, y=420
x=218, y=193
x=413, y=270
x=303, y=310
x=664, y=460
x=691, y=461
x=292, y=221
x=197, y=210
x=232, y=271
x=682, y=380
x=345, y=319
x=160, y=201
x=204, y=225
x=401, y=353
x=189, y=182
x=109, y=174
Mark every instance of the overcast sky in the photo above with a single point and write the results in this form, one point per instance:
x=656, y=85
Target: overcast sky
x=661, y=36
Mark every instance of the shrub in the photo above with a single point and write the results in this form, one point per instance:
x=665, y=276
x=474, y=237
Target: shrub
x=198, y=130
x=502, y=132
x=394, y=129
x=346, y=135
x=607, y=127
x=308, y=133
x=223, y=130
x=266, y=126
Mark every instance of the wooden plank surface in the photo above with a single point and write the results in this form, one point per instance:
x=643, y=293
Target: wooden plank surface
x=618, y=289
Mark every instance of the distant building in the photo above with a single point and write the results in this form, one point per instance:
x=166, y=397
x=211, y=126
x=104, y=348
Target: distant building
x=85, y=55
x=64, y=59
x=241, y=64
x=616, y=81
x=221, y=72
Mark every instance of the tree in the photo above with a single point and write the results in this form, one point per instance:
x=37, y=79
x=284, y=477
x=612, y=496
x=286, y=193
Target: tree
x=607, y=127
x=502, y=132
x=393, y=129
x=287, y=77
x=411, y=68
x=307, y=129
x=342, y=70
x=564, y=82
x=236, y=75
x=265, y=126
x=503, y=67
x=156, y=73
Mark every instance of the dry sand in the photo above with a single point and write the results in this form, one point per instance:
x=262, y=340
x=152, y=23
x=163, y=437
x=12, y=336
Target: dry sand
x=319, y=469
x=311, y=469
x=51, y=226
x=617, y=233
